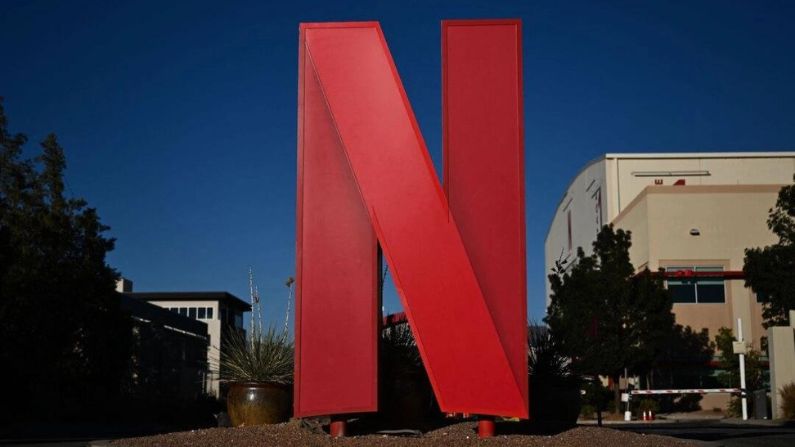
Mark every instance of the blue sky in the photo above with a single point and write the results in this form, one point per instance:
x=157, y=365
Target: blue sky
x=179, y=118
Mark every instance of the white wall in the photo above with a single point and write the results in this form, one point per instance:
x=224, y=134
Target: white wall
x=214, y=332
x=585, y=201
x=621, y=177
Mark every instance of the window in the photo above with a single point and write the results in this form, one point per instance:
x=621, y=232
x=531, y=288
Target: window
x=174, y=309
x=209, y=313
x=223, y=316
x=568, y=218
x=183, y=311
x=192, y=313
x=238, y=320
x=597, y=198
x=696, y=289
x=202, y=313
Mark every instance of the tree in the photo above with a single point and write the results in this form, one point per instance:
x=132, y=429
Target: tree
x=729, y=363
x=64, y=342
x=606, y=317
x=683, y=363
x=770, y=271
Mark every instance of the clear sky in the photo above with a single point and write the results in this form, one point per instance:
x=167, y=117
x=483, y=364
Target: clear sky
x=179, y=118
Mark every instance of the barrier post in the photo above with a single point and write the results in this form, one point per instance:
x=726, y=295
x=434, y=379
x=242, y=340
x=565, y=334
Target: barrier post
x=742, y=370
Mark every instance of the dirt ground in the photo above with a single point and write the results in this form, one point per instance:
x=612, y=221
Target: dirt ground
x=296, y=433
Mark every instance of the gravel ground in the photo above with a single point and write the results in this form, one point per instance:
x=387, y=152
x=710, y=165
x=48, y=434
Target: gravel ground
x=295, y=433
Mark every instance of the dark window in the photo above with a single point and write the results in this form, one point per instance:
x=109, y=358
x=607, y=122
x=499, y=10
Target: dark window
x=697, y=289
x=202, y=313
x=209, y=313
x=192, y=313
x=682, y=291
x=238, y=320
x=174, y=309
x=223, y=316
x=568, y=219
x=183, y=311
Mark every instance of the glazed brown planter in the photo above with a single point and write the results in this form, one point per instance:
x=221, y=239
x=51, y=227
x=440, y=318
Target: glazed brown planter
x=258, y=403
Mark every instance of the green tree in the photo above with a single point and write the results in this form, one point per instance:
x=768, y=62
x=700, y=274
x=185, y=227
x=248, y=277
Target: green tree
x=729, y=363
x=606, y=317
x=64, y=342
x=770, y=271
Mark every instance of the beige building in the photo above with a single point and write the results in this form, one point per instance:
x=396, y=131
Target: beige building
x=695, y=213
x=703, y=228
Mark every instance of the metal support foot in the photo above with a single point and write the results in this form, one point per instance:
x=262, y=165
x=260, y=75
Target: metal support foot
x=486, y=426
x=338, y=426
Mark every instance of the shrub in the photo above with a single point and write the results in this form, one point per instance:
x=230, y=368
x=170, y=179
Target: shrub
x=788, y=401
x=554, y=387
x=587, y=411
x=406, y=397
x=648, y=405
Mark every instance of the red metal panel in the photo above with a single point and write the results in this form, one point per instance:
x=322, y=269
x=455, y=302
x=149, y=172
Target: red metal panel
x=458, y=339
x=484, y=168
x=336, y=294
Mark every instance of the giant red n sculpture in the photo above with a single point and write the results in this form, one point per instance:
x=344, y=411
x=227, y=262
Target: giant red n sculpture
x=456, y=250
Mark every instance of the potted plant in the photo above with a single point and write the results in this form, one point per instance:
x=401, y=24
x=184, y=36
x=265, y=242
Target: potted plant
x=259, y=371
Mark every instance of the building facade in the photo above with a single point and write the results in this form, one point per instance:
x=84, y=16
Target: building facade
x=221, y=312
x=688, y=213
x=169, y=353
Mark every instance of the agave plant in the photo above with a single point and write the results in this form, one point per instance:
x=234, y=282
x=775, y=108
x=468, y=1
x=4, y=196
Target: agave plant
x=399, y=352
x=263, y=357
x=545, y=360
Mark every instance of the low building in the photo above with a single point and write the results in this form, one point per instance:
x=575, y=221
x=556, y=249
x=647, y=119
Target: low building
x=169, y=353
x=221, y=312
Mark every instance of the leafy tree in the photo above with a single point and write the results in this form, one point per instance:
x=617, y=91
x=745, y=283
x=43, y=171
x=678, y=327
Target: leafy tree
x=729, y=362
x=770, y=271
x=604, y=315
x=683, y=363
x=64, y=342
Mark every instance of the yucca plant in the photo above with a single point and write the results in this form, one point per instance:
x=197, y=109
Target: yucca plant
x=399, y=351
x=554, y=386
x=263, y=357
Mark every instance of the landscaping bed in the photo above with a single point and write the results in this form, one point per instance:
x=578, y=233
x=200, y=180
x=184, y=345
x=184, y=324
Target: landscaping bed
x=296, y=433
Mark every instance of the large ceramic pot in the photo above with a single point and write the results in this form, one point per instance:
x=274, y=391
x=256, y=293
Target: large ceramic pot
x=258, y=403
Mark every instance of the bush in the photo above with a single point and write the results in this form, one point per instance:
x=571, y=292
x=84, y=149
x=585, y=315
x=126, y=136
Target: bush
x=596, y=395
x=554, y=388
x=648, y=405
x=406, y=398
x=788, y=401
x=587, y=411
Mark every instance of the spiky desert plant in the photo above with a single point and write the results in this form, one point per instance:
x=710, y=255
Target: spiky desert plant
x=399, y=352
x=545, y=360
x=263, y=357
